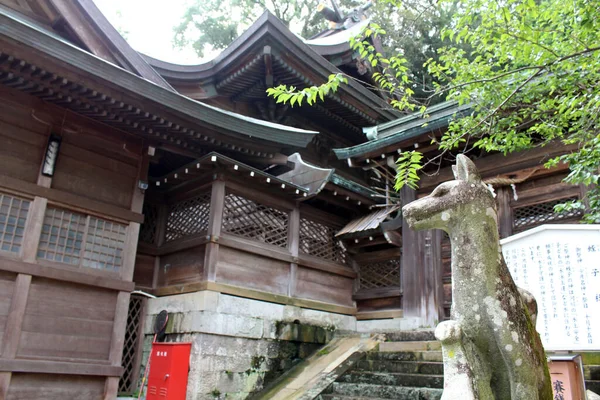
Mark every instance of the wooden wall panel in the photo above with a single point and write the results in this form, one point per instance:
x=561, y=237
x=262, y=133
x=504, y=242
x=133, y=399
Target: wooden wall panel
x=144, y=270
x=252, y=271
x=110, y=185
x=67, y=321
x=181, y=267
x=382, y=304
x=322, y=286
x=55, y=387
x=7, y=284
x=22, y=148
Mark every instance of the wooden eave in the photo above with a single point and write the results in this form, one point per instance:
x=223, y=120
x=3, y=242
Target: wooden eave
x=216, y=165
x=401, y=133
x=58, y=72
x=268, y=30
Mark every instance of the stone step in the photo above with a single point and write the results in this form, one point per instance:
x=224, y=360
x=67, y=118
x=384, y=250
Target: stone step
x=410, y=346
x=410, y=336
x=341, y=397
x=393, y=379
x=385, y=392
x=431, y=355
x=593, y=385
x=406, y=367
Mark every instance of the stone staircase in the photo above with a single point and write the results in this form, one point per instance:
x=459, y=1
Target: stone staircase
x=407, y=366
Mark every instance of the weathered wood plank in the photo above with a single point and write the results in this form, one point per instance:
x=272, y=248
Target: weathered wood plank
x=12, y=334
x=43, y=271
x=181, y=267
x=57, y=367
x=33, y=229
x=253, y=271
x=69, y=200
x=322, y=286
x=27, y=386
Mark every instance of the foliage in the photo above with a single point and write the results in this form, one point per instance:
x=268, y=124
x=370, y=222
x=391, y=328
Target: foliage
x=214, y=24
x=530, y=69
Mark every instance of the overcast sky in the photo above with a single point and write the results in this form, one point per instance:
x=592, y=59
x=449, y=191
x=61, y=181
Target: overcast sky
x=149, y=24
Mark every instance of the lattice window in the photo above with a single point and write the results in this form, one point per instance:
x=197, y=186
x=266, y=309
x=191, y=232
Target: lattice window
x=188, y=217
x=13, y=214
x=81, y=240
x=381, y=274
x=538, y=214
x=104, y=245
x=319, y=240
x=148, y=228
x=131, y=347
x=62, y=236
x=256, y=221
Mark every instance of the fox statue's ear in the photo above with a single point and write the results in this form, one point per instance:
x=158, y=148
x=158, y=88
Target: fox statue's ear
x=455, y=172
x=465, y=170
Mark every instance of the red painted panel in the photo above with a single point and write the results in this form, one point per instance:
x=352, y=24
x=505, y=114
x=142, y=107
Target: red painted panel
x=169, y=367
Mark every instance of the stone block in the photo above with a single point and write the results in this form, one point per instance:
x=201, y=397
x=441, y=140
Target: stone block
x=248, y=307
x=186, y=302
x=218, y=324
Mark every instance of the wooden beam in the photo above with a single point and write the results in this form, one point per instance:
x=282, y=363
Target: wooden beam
x=59, y=367
x=116, y=342
x=255, y=294
x=14, y=324
x=82, y=28
x=33, y=229
x=376, y=256
x=215, y=221
x=377, y=293
x=498, y=164
x=293, y=246
x=505, y=218
x=131, y=242
x=45, y=270
x=69, y=200
x=388, y=314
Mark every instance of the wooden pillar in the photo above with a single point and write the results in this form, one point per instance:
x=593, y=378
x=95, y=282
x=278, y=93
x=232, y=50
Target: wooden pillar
x=111, y=386
x=422, y=286
x=14, y=324
x=505, y=218
x=293, y=247
x=411, y=271
x=217, y=203
x=433, y=289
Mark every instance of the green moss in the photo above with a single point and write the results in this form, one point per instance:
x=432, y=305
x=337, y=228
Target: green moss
x=215, y=393
x=257, y=361
x=324, y=351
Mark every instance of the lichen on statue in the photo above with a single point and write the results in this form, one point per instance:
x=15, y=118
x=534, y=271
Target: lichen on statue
x=490, y=346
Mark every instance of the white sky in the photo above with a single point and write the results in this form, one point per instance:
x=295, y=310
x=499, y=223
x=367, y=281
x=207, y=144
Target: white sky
x=150, y=26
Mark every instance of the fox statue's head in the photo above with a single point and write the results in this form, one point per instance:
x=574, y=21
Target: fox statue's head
x=452, y=202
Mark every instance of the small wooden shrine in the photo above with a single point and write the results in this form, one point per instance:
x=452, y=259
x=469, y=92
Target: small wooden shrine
x=123, y=173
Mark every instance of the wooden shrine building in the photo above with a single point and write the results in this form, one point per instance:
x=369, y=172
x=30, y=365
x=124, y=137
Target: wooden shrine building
x=121, y=173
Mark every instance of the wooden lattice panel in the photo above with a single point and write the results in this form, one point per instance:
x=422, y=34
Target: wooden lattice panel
x=318, y=239
x=188, y=217
x=542, y=213
x=13, y=214
x=148, y=228
x=104, y=245
x=81, y=240
x=131, y=347
x=380, y=275
x=62, y=236
x=255, y=221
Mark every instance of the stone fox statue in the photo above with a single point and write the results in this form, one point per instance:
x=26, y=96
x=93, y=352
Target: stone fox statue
x=490, y=346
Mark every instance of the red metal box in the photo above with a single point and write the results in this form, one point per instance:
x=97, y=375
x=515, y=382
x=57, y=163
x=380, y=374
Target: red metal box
x=169, y=367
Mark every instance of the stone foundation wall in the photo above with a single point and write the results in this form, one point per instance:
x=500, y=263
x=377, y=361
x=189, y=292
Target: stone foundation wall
x=240, y=345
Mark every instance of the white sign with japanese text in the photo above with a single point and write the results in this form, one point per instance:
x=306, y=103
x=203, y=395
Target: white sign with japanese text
x=560, y=266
